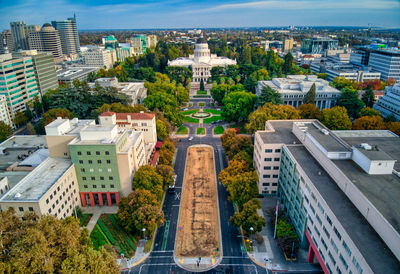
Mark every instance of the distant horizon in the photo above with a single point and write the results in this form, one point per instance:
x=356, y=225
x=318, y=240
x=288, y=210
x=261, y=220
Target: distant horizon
x=187, y=14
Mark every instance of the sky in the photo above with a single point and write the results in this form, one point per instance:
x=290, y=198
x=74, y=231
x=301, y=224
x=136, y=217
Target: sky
x=140, y=14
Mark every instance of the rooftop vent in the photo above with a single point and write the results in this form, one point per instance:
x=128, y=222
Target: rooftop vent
x=324, y=131
x=365, y=146
x=18, y=195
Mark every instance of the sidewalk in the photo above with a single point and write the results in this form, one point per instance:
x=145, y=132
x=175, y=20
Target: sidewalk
x=268, y=254
x=139, y=257
x=97, y=211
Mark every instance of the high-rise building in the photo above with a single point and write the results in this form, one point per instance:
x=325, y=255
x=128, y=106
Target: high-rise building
x=19, y=35
x=111, y=42
x=318, y=45
x=4, y=112
x=6, y=42
x=288, y=45
x=68, y=35
x=339, y=189
x=151, y=41
x=139, y=42
x=18, y=81
x=389, y=103
x=98, y=57
x=43, y=63
x=46, y=40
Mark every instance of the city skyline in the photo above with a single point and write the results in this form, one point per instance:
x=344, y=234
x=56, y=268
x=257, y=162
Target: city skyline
x=204, y=13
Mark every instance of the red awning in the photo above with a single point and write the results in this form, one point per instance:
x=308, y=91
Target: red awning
x=158, y=145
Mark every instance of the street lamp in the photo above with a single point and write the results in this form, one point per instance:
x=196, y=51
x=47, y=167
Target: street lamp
x=144, y=233
x=251, y=232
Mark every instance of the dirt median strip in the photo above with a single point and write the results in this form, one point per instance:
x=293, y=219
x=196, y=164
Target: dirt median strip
x=198, y=228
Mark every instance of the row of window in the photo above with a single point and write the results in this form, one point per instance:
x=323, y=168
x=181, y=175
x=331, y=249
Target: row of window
x=93, y=178
x=90, y=153
x=278, y=150
x=266, y=176
x=269, y=167
x=270, y=159
x=98, y=161
x=95, y=186
x=57, y=190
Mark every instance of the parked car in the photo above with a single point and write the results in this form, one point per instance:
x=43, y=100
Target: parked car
x=185, y=109
x=190, y=138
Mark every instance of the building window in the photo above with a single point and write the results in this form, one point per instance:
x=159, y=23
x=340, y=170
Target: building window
x=85, y=186
x=97, y=152
x=321, y=208
x=84, y=178
x=277, y=159
x=88, y=153
x=101, y=178
x=81, y=161
x=316, y=230
x=318, y=219
x=21, y=208
x=346, y=247
x=357, y=265
x=99, y=161
x=332, y=259
x=266, y=176
x=334, y=246
x=268, y=150
x=324, y=244
x=79, y=153
x=267, y=159
x=329, y=220
x=275, y=176
x=49, y=210
x=91, y=170
x=265, y=184
x=94, y=186
x=343, y=261
x=110, y=178
x=108, y=161
x=47, y=201
x=107, y=153
x=90, y=161
x=93, y=178
x=326, y=232
x=337, y=233
x=103, y=186
x=277, y=150
x=276, y=167
x=51, y=196
x=111, y=186
x=274, y=184
x=267, y=168
x=82, y=169
x=109, y=169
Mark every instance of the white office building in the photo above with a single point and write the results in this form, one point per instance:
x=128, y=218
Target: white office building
x=293, y=88
x=389, y=103
x=98, y=58
x=4, y=112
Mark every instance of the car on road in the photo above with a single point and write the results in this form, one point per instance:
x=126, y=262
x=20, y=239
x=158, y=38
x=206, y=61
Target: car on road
x=172, y=187
x=185, y=109
x=190, y=138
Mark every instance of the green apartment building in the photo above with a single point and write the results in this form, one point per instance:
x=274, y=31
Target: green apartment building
x=17, y=82
x=105, y=157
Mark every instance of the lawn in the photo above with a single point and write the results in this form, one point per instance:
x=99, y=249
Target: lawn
x=84, y=219
x=190, y=119
x=108, y=231
x=213, y=111
x=202, y=104
x=190, y=111
x=218, y=130
x=182, y=130
x=212, y=119
x=201, y=92
x=200, y=131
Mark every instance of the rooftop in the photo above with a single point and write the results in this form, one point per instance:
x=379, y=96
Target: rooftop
x=72, y=73
x=282, y=135
x=371, y=246
x=328, y=141
x=33, y=186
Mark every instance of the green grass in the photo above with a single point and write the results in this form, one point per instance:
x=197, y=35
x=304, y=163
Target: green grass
x=201, y=96
x=241, y=126
x=213, y=111
x=84, y=220
x=188, y=119
x=182, y=130
x=212, y=119
x=201, y=92
x=218, y=130
x=190, y=111
x=190, y=105
x=200, y=131
x=202, y=104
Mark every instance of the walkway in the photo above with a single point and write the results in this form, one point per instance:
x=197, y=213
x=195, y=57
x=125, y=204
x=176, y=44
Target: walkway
x=139, y=256
x=97, y=211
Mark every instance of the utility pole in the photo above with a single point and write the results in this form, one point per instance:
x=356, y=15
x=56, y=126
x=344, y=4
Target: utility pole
x=276, y=217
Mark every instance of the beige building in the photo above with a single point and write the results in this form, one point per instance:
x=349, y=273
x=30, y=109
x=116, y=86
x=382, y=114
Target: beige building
x=46, y=40
x=98, y=58
x=4, y=112
x=288, y=45
x=151, y=41
x=51, y=188
x=4, y=186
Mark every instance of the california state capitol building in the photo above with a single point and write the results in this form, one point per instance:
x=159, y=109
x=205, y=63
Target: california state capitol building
x=201, y=62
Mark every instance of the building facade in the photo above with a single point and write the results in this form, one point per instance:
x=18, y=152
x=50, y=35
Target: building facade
x=328, y=188
x=389, y=103
x=288, y=45
x=6, y=42
x=151, y=41
x=68, y=75
x=318, y=45
x=4, y=186
x=51, y=188
x=46, y=40
x=68, y=36
x=4, y=112
x=17, y=82
x=293, y=88
x=98, y=57
x=19, y=35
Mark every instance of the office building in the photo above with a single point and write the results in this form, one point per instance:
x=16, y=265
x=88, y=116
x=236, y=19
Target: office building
x=151, y=41
x=288, y=45
x=69, y=37
x=144, y=122
x=123, y=52
x=293, y=88
x=6, y=42
x=389, y=103
x=46, y=40
x=352, y=74
x=69, y=74
x=105, y=157
x=99, y=57
x=136, y=91
x=19, y=35
x=340, y=191
x=51, y=188
x=4, y=112
x=18, y=82
x=138, y=42
x=318, y=45
x=111, y=42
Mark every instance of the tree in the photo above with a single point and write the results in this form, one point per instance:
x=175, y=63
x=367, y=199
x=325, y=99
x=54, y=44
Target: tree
x=20, y=119
x=287, y=66
x=393, y=127
x=309, y=111
x=28, y=112
x=139, y=210
x=34, y=244
x=30, y=129
x=269, y=95
x=218, y=92
x=349, y=100
x=369, y=123
x=248, y=217
x=342, y=84
x=237, y=105
x=336, y=118
x=322, y=75
x=5, y=131
x=310, y=96
x=182, y=95
x=147, y=177
x=162, y=129
x=241, y=143
x=367, y=111
x=243, y=188
x=201, y=84
x=52, y=114
x=269, y=111
x=368, y=97
x=167, y=173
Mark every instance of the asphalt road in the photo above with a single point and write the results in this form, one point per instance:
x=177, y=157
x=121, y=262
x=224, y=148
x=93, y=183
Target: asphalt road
x=235, y=259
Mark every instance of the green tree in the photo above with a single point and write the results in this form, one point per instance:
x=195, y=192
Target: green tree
x=310, y=96
x=45, y=244
x=30, y=129
x=167, y=173
x=309, y=111
x=367, y=111
x=336, y=118
x=368, y=97
x=218, y=92
x=243, y=188
x=162, y=129
x=245, y=56
x=349, y=100
x=269, y=95
x=287, y=66
x=28, y=113
x=147, y=177
x=248, y=217
x=139, y=210
x=20, y=119
x=237, y=105
x=322, y=75
x=182, y=95
x=52, y=114
x=5, y=131
x=201, y=84
x=369, y=123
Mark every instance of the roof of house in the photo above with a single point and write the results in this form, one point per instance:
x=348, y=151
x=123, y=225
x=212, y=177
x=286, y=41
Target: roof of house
x=134, y=116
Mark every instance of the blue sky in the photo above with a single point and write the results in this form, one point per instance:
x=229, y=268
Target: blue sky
x=112, y=14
